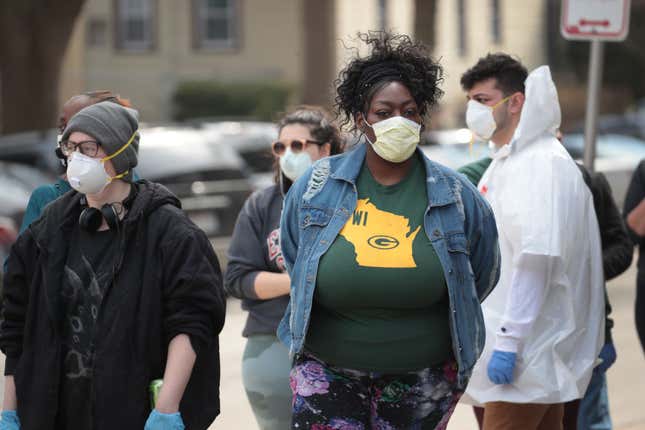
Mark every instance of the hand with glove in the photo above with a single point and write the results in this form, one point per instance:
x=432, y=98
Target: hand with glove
x=608, y=356
x=9, y=421
x=160, y=421
x=501, y=366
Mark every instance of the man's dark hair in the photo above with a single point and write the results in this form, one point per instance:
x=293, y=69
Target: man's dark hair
x=392, y=58
x=509, y=73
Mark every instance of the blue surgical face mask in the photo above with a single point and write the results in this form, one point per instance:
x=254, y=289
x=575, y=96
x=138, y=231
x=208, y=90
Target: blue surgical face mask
x=294, y=165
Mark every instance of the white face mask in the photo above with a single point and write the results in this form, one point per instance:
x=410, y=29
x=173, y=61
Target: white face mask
x=86, y=175
x=480, y=119
x=294, y=165
x=396, y=138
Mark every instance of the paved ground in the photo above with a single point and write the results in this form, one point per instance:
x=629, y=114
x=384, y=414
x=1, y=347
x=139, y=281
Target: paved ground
x=626, y=377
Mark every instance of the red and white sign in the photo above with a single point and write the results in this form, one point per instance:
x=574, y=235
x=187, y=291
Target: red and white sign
x=595, y=19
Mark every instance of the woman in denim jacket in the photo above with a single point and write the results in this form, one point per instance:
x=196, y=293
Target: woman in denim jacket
x=390, y=255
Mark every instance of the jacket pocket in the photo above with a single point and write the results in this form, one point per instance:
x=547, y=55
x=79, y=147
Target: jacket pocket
x=457, y=242
x=313, y=216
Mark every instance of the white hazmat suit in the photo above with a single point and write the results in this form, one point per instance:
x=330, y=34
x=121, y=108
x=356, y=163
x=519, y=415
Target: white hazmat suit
x=549, y=303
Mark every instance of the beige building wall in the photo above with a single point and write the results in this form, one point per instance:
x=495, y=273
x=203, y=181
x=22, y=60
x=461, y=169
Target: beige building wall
x=353, y=16
x=72, y=77
x=522, y=35
x=269, y=48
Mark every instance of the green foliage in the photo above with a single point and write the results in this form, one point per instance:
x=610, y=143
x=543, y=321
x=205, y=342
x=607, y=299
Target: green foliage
x=253, y=100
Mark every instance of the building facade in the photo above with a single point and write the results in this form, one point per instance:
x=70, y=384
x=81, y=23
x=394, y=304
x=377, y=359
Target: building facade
x=142, y=49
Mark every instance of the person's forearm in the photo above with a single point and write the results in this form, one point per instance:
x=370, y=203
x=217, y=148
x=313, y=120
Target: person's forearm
x=269, y=285
x=179, y=366
x=525, y=299
x=636, y=219
x=9, y=403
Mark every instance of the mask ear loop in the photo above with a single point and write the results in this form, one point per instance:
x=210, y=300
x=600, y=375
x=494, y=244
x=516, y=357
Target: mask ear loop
x=369, y=125
x=123, y=148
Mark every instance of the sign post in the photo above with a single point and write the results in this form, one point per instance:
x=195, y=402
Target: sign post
x=596, y=21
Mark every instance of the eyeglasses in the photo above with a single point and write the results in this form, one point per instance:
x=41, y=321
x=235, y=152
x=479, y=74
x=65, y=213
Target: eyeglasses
x=296, y=145
x=86, y=147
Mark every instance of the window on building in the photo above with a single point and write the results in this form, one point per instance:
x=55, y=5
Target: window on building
x=135, y=24
x=215, y=24
x=496, y=24
x=382, y=14
x=96, y=33
x=461, y=27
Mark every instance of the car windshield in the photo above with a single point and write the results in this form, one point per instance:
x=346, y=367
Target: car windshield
x=252, y=140
x=174, y=151
x=607, y=146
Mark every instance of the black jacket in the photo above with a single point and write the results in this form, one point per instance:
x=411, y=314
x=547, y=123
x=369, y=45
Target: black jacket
x=617, y=249
x=635, y=194
x=166, y=282
x=255, y=247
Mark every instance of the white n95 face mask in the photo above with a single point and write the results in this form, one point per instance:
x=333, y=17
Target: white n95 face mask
x=396, y=138
x=85, y=174
x=294, y=165
x=480, y=119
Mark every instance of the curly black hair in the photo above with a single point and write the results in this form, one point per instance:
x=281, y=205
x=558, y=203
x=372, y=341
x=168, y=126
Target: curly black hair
x=393, y=58
x=508, y=71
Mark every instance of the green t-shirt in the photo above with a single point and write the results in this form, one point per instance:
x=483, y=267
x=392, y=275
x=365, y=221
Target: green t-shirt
x=381, y=300
x=475, y=170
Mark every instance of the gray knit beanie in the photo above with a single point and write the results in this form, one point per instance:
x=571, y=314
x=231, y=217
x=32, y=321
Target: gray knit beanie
x=112, y=125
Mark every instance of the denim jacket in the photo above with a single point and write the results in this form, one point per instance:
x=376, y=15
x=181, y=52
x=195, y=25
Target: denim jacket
x=458, y=222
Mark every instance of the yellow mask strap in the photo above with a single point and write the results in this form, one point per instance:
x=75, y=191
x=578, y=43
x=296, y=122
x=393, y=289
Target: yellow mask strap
x=122, y=148
x=119, y=176
x=470, y=144
x=501, y=102
x=472, y=135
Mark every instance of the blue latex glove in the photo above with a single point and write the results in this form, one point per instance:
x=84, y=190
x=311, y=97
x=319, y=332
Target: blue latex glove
x=9, y=421
x=500, y=367
x=159, y=421
x=608, y=355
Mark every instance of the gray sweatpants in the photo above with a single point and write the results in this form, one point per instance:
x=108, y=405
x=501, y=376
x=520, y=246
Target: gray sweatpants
x=265, y=375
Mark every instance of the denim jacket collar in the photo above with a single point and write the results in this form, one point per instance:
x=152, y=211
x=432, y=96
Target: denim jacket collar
x=442, y=194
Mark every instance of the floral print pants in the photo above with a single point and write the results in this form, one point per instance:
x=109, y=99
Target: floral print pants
x=332, y=398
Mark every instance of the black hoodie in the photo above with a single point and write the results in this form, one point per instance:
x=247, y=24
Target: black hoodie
x=166, y=281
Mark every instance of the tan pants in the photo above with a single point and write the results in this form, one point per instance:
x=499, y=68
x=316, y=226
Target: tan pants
x=523, y=416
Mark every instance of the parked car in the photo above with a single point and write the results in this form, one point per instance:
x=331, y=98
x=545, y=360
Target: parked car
x=17, y=181
x=210, y=179
x=251, y=140
x=452, y=147
x=34, y=148
x=616, y=157
x=8, y=235
x=628, y=124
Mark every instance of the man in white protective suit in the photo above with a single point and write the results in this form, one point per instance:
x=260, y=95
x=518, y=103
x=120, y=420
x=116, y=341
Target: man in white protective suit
x=545, y=318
